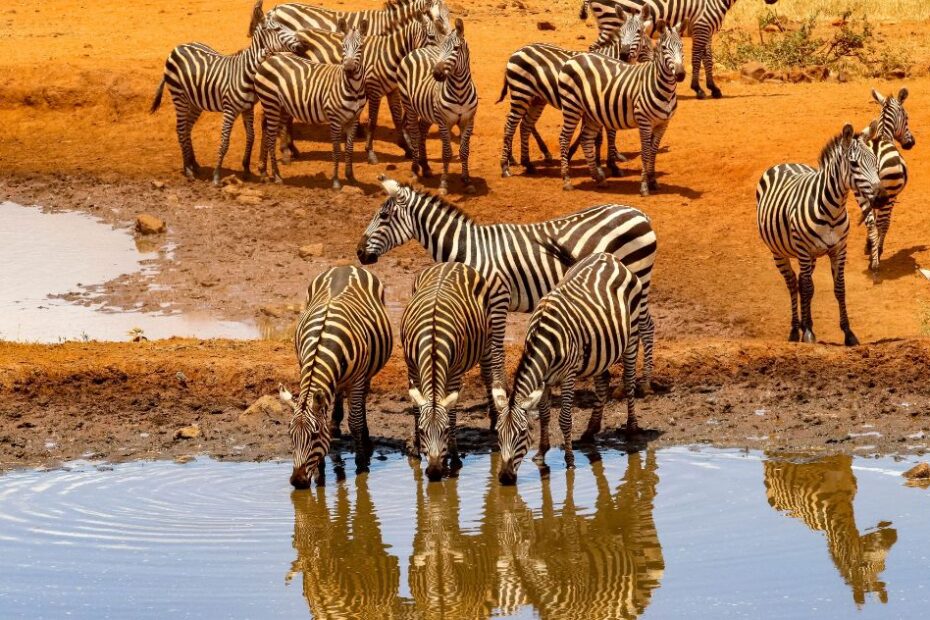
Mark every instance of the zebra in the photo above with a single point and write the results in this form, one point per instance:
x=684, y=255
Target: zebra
x=291, y=86
x=821, y=493
x=299, y=16
x=343, y=339
x=515, y=251
x=601, y=91
x=456, y=318
x=582, y=327
x=532, y=74
x=892, y=170
x=436, y=87
x=802, y=215
x=201, y=79
x=704, y=19
x=383, y=54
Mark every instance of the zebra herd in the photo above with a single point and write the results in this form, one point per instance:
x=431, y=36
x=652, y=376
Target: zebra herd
x=584, y=277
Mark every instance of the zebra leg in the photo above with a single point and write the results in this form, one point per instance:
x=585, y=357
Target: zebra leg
x=186, y=117
x=374, y=104
x=657, y=133
x=445, y=134
x=248, y=122
x=464, y=147
x=396, y=106
x=647, y=333
x=838, y=266
x=529, y=124
x=336, y=134
x=601, y=392
x=544, y=404
x=879, y=222
x=870, y=231
x=229, y=117
x=455, y=463
x=338, y=415
x=565, y=419
x=629, y=386
x=806, y=284
x=569, y=122
x=646, y=154
x=613, y=156
x=709, y=68
x=699, y=37
x=884, y=223
x=516, y=116
x=791, y=280
x=423, y=131
x=589, y=134
x=358, y=424
x=350, y=148
x=271, y=125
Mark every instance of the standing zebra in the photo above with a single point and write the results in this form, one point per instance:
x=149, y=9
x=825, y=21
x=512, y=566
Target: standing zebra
x=892, y=170
x=585, y=325
x=199, y=78
x=532, y=77
x=802, y=215
x=515, y=252
x=299, y=16
x=597, y=91
x=436, y=88
x=704, y=19
x=455, y=319
x=343, y=339
x=290, y=86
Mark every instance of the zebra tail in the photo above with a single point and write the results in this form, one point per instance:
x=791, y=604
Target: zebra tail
x=158, y=93
x=583, y=13
x=559, y=252
x=503, y=91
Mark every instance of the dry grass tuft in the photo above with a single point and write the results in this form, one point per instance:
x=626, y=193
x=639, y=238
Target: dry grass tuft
x=747, y=12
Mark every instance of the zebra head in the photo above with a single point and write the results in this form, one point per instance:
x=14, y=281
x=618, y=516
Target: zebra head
x=309, y=438
x=453, y=54
x=669, y=52
x=630, y=38
x=861, y=167
x=271, y=36
x=391, y=226
x=353, y=45
x=433, y=429
x=893, y=119
x=513, y=434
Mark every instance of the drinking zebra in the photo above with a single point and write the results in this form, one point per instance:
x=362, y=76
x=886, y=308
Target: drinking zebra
x=892, y=170
x=532, y=77
x=704, y=19
x=380, y=62
x=582, y=327
x=455, y=319
x=802, y=215
x=201, y=79
x=436, y=88
x=290, y=86
x=343, y=339
x=603, y=92
x=514, y=251
x=298, y=16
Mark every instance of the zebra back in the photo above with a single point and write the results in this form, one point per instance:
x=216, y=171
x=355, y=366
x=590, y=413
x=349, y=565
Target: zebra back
x=299, y=16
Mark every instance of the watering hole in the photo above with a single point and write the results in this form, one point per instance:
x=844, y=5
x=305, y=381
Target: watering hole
x=49, y=254
x=670, y=533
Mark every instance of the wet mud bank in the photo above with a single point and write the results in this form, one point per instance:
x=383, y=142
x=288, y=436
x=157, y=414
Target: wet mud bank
x=124, y=401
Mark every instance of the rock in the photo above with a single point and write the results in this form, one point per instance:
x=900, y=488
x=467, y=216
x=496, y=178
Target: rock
x=817, y=73
x=920, y=471
x=519, y=4
x=580, y=37
x=158, y=184
x=172, y=199
x=265, y=407
x=898, y=73
x=270, y=311
x=231, y=180
x=187, y=432
x=299, y=213
x=231, y=190
x=184, y=458
x=310, y=251
x=754, y=71
x=797, y=75
x=353, y=190
x=545, y=25
x=391, y=167
x=249, y=199
x=842, y=77
x=772, y=28
x=149, y=225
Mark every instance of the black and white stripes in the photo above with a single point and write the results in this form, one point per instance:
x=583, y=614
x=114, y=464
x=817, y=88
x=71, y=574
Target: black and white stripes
x=298, y=16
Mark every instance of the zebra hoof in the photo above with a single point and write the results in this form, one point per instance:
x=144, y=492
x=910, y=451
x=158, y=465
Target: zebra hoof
x=443, y=191
x=700, y=94
x=529, y=168
x=851, y=340
x=190, y=174
x=715, y=93
x=644, y=189
x=372, y=158
x=277, y=179
x=470, y=188
x=539, y=459
x=547, y=157
x=216, y=180
x=808, y=337
x=336, y=184
x=567, y=186
x=795, y=335
x=615, y=170
x=587, y=438
x=505, y=173
x=653, y=185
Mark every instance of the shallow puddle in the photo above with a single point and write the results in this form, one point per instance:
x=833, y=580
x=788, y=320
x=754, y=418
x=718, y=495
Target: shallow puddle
x=48, y=254
x=667, y=534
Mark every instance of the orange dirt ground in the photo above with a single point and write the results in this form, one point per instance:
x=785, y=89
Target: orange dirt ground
x=77, y=81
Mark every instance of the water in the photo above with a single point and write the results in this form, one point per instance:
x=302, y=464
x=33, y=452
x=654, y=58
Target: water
x=45, y=254
x=673, y=533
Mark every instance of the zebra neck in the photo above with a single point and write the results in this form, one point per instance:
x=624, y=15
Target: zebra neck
x=663, y=78
x=836, y=185
x=353, y=83
x=886, y=123
x=455, y=89
x=442, y=229
x=251, y=57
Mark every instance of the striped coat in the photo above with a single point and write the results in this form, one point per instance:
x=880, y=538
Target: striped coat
x=515, y=251
x=586, y=324
x=333, y=95
x=596, y=91
x=801, y=214
x=455, y=319
x=298, y=16
x=343, y=339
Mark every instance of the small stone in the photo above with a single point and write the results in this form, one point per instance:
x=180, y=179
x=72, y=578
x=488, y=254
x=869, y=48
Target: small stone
x=172, y=199
x=187, y=432
x=754, y=71
x=158, y=184
x=311, y=250
x=149, y=225
x=231, y=190
x=249, y=199
x=519, y=4
x=898, y=73
x=772, y=28
x=265, y=407
x=299, y=213
x=184, y=458
x=921, y=471
x=352, y=189
x=270, y=311
x=545, y=25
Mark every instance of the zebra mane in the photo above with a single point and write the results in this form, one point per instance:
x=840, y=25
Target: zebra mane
x=434, y=201
x=830, y=150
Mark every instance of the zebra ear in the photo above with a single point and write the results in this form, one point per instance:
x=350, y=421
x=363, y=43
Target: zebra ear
x=449, y=401
x=848, y=134
x=902, y=95
x=363, y=27
x=257, y=16
x=645, y=12
x=459, y=26
x=660, y=26
x=877, y=96
x=872, y=131
x=531, y=402
x=286, y=397
x=417, y=397
x=681, y=27
x=391, y=187
x=342, y=26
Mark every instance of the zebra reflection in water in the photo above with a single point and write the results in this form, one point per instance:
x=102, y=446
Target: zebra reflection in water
x=820, y=493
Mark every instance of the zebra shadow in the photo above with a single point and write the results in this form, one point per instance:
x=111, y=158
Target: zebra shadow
x=629, y=183
x=324, y=181
x=899, y=265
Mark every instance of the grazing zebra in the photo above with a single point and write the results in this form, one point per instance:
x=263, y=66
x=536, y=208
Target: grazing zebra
x=821, y=493
x=381, y=61
x=802, y=215
x=201, y=79
x=704, y=19
x=532, y=77
x=585, y=325
x=436, y=88
x=514, y=251
x=299, y=16
x=455, y=319
x=343, y=339
x=598, y=91
x=892, y=170
x=289, y=86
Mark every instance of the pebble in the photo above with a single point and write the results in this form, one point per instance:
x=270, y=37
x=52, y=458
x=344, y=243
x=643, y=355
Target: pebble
x=187, y=432
x=147, y=224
